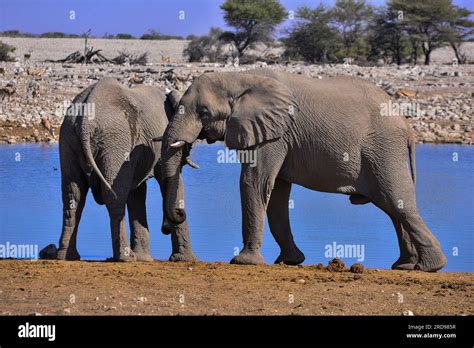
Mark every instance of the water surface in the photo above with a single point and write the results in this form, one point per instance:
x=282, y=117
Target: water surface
x=30, y=209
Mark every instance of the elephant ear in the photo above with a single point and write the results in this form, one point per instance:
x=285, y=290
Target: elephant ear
x=171, y=103
x=264, y=111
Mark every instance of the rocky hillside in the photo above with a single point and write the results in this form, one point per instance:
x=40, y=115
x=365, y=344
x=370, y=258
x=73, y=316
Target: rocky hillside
x=34, y=95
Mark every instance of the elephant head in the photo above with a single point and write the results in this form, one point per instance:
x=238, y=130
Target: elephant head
x=242, y=109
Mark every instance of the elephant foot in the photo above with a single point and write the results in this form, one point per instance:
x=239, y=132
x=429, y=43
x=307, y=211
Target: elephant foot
x=248, y=257
x=70, y=254
x=403, y=266
x=430, y=260
x=187, y=256
x=405, y=263
x=143, y=256
x=293, y=257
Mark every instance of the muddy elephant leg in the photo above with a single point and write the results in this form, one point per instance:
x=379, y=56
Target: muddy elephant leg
x=74, y=191
x=408, y=255
x=139, y=233
x=279, y=222
x=121, y=247
x=180, y=242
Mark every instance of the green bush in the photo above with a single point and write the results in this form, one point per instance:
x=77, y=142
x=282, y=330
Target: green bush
x=206, y=47
x=15, y=33
x=253, y=22
x=155, y=35
x=312, y=38
x=55, y=34
x=124, y=36
x=402, y=30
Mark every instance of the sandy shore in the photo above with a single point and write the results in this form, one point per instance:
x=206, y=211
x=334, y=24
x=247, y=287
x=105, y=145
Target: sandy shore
x=164, y=288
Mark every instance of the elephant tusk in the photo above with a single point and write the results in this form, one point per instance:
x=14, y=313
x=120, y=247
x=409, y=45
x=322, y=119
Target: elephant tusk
x=178, y=144
x=191, y=163
x=158, y=138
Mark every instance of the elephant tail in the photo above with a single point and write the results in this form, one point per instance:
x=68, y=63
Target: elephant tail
x=85, y=137
x=411, y=148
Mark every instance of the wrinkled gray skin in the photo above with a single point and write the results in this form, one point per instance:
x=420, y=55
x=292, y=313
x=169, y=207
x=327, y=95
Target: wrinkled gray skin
x=326, y=135
x=111, y=152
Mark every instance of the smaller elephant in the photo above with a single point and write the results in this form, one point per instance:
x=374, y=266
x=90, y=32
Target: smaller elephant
x=106, y=145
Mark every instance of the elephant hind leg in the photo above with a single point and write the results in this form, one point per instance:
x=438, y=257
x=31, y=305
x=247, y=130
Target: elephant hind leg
x=279, y=222
x=408, y=254
x=116, y=205
x=430, y=256
x=74, y=189
x=74, y=198
x=395, y=195
x=121, y=247
x=139, y=233
x=120, y=177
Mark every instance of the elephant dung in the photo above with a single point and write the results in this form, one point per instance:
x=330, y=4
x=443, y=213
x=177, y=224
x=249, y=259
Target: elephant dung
x=319, y=266
x=336, y=265
x=357, y=268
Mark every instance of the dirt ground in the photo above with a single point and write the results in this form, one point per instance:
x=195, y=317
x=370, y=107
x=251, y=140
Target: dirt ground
x=163, y=288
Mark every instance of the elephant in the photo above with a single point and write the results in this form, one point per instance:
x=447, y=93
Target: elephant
x=326, y=135
x=106, y=145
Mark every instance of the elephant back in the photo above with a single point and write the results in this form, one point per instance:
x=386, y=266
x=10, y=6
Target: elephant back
x=122, y=125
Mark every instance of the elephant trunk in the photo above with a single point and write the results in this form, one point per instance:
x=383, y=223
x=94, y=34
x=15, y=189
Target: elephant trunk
x=172, y=205
x=173, y=157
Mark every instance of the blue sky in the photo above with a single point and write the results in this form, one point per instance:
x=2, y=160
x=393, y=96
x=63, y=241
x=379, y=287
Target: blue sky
x=128, y=16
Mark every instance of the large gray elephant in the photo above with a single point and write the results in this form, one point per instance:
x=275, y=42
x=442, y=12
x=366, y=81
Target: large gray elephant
x=326, y=135
x=105, y=144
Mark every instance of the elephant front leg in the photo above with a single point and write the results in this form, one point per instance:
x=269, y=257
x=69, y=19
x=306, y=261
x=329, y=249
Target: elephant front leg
x=180, y=235
x=180, y=242
x=279, y=221
x=253, y=201
x=139, y=232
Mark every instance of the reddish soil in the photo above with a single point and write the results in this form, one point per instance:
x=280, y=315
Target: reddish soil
x=164, y=288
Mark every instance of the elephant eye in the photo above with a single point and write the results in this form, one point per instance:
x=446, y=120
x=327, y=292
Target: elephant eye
x=204, y=112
